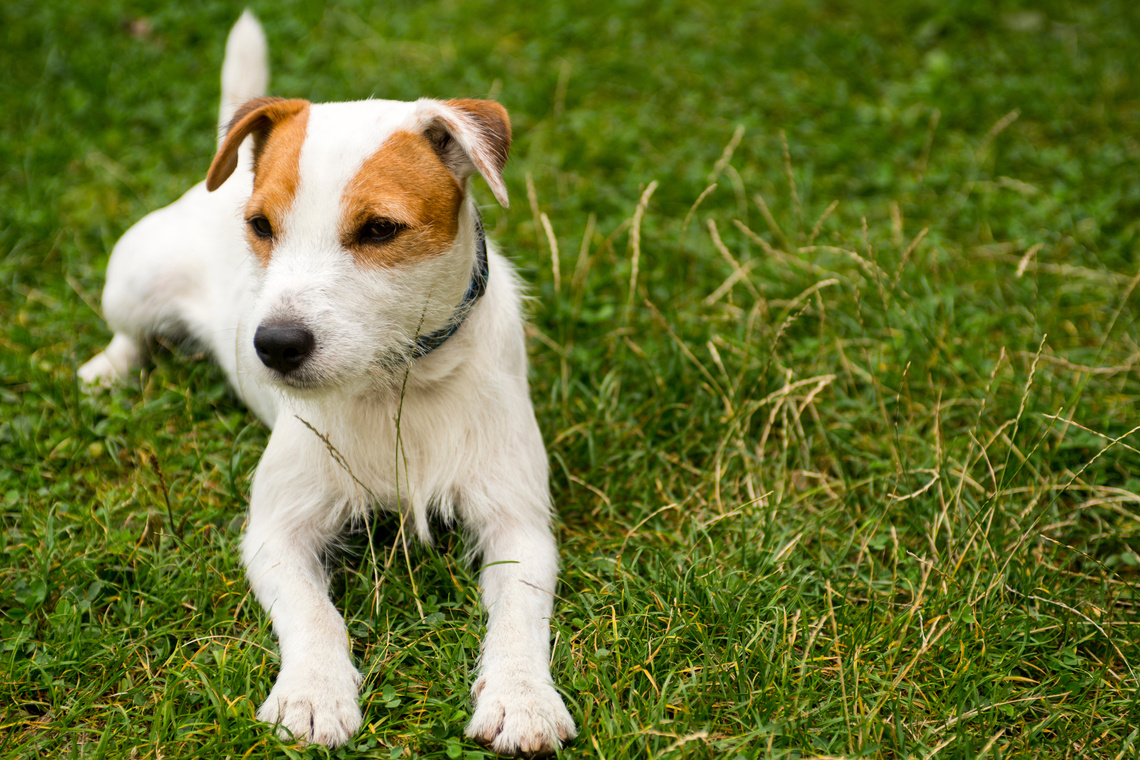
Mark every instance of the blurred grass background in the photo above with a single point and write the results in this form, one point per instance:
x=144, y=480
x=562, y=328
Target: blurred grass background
x=834, y=347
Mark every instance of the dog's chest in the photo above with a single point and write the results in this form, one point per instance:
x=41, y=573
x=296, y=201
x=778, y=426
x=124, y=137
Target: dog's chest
x=383, y=453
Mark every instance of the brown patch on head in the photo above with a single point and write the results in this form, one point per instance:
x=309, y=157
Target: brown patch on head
x=406, y=183
x=276, y=172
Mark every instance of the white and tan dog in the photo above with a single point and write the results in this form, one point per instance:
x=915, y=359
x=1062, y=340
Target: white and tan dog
x=334, y=264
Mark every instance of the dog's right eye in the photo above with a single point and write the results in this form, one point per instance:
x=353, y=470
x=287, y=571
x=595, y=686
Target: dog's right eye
x=260, y=226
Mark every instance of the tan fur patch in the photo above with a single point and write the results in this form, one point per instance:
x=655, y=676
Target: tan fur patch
x=275, y=179
x=404, y=182
x=256, y=117
x=493, y=127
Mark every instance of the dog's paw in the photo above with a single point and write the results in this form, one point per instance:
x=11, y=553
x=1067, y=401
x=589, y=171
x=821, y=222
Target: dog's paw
x=525, y=718
x=97, y=374
x=111, y=365
x=315, y=707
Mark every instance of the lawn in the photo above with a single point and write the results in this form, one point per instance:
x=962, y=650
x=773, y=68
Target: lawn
x=834, y=345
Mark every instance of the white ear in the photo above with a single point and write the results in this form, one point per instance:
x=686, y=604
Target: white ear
x=469, y=136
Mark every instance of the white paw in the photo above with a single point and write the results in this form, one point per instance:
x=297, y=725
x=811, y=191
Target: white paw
x=120, y=356
x=519, y=717
x=97, y=374
x=315, y=707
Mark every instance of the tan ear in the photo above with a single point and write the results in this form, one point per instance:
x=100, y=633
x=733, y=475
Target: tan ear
x=257, y=117
x=469, y=136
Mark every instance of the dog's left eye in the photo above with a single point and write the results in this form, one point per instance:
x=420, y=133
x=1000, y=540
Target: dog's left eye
x=379, y=231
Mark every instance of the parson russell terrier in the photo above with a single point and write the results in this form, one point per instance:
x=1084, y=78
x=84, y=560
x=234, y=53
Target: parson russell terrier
x=334, y=264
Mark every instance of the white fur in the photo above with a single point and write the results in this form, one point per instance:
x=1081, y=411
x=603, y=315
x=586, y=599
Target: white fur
x=245, y=74
x=467, y=446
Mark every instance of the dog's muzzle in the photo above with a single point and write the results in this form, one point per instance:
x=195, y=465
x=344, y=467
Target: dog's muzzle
x=283, y=347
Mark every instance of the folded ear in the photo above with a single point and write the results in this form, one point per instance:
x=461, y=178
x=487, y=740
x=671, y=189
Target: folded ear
x=469, y=136
x=257, y=117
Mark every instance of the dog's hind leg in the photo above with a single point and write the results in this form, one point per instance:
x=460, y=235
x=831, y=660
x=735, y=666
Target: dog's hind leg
x=154, y=276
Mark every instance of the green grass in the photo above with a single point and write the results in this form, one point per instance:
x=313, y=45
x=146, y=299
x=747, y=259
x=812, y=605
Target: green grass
x=877, y=496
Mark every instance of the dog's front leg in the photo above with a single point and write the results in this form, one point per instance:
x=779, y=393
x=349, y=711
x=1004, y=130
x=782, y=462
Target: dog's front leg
x=517, y=709
x=291, y=524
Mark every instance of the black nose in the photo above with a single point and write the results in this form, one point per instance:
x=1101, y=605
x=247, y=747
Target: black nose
x=283, y=347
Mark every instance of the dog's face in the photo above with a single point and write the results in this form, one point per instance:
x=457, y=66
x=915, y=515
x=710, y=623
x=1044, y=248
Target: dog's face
x=356, y=220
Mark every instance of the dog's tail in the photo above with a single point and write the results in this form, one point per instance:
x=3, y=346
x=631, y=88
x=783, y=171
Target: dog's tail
x=245, y=71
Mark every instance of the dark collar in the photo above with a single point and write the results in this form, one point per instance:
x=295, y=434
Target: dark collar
x=425, y=344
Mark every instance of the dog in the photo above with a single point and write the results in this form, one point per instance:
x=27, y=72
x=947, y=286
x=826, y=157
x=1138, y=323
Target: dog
x=335, y=265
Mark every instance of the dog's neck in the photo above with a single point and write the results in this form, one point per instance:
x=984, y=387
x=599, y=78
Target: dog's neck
x=425, y=344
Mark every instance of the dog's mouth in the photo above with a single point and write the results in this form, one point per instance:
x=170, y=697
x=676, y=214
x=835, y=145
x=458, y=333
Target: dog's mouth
x=295, y=381
x=304, y=381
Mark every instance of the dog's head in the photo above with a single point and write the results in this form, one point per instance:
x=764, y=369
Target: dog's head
x=360, y=224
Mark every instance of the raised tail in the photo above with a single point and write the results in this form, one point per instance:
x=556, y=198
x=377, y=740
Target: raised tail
x=245, y=70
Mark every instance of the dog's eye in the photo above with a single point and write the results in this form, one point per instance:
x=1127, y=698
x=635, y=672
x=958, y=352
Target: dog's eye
x=260, y=226
x=379, y=231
